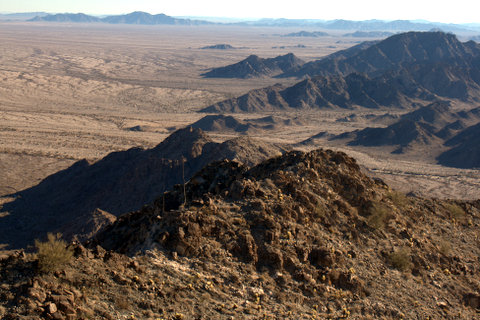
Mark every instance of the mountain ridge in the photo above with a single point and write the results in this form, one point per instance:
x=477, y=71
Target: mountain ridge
x=136, y=17
x=397, y=72
x=120, y=182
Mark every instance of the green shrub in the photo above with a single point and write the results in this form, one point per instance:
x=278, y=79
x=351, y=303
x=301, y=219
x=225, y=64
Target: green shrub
x=378, y=215
x=53, y=253
x=400, y=259
x=444, y=247
x=455, y=211
x=398, y=198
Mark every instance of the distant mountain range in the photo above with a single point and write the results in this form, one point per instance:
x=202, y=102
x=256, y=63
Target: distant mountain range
x=396, y=72
x=369, y=34
x=21, y=16
x=312, y=34
x=365, y=25
x=139, y=17
x=254, y=66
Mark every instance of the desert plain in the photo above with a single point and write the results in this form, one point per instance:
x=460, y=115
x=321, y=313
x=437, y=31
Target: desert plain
x=80, y=91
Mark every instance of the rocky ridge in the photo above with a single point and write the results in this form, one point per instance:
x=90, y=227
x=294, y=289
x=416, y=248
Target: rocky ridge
x=121, y=182
x=300, y=236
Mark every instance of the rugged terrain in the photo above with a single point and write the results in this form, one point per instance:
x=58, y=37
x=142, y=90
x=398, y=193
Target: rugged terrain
x=435, y=125
x=299, y=236
x=302, y=235
x=401, y=71
x=121, y=182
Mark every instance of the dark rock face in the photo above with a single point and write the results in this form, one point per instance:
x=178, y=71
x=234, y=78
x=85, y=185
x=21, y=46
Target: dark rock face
x=254, y=66
x=120, y=182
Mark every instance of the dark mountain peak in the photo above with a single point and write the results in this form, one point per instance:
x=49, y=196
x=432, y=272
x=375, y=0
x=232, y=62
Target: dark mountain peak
x=187, y=142
x=398, y=51
x=220, y=123
x=252, y=57
x=254, y=66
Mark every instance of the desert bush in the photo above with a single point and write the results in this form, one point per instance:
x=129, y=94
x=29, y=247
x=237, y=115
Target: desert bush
x=122, y=302
x=400, y=259
x=53, y=253
x=378, y=215
x=444, y=247
x=398, y=198
x=454, y=211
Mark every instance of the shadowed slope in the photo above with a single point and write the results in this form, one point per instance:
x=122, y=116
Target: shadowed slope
x=120, y=182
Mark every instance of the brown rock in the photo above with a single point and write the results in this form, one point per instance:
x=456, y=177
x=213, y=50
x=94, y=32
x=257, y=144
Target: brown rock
x=66, y=307
x=37, y=294
x=51, y=308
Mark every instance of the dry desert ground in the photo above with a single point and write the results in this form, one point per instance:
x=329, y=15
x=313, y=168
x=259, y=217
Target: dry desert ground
x=74, y=91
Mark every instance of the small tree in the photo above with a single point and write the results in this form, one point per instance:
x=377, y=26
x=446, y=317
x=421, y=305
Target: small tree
x=53, y=253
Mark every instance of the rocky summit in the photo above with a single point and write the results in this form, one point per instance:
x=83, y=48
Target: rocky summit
x=298, y=236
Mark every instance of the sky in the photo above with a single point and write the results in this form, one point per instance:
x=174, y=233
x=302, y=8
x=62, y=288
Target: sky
x=458, y=11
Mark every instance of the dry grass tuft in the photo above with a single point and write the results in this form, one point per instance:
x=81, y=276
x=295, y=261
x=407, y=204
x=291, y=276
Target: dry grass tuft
x=378, y=215
x=455, y=211
x=400, y=259
x=53, y=253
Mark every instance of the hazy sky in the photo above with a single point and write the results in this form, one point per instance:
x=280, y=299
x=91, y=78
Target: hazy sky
x=433, y=10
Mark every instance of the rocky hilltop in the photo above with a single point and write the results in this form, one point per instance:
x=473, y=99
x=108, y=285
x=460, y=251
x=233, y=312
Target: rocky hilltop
x=299, y=236
x=254, y=66
x=121, y=182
